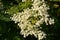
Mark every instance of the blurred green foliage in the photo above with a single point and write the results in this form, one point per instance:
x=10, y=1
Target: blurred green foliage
x=4, y=17
x=18, y=8
x=10, y=31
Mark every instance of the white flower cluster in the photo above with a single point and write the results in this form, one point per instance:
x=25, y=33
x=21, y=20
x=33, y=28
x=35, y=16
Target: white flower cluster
x=30, y=20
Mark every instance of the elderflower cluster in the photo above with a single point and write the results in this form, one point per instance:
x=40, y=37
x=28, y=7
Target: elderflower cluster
x=30, y=20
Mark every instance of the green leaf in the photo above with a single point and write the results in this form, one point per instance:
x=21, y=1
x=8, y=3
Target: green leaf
x=4, y=17
x=18, y=8
x=12, y=10
x=24, y=5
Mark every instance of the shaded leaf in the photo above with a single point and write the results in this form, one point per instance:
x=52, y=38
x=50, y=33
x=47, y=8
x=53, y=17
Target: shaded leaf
x=4, y=17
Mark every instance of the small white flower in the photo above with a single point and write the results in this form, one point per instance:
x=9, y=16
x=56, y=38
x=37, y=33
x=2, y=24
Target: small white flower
x=41, y=35
x=51, y=21
x=24, y=0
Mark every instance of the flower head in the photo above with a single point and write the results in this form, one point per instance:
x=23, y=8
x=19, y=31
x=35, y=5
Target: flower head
x=30, y=20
